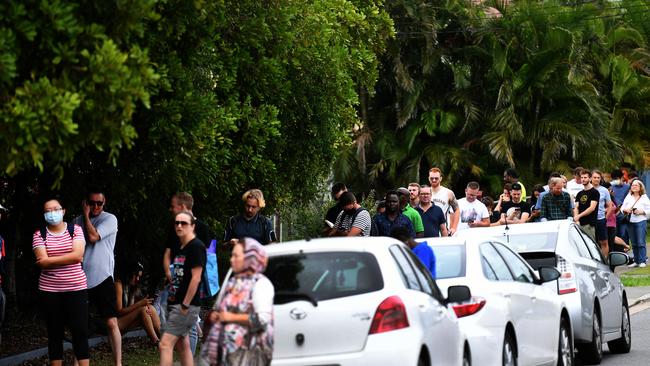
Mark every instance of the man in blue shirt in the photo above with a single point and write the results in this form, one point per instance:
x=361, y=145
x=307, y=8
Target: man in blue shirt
x=392, y=218
x=421, y=250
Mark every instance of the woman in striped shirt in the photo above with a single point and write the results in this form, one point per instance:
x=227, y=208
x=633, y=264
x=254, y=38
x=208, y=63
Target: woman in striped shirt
x=59, y=250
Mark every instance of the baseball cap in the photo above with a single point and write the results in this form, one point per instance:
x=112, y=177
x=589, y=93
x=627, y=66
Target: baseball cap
x=516, y=186
x=403, y=191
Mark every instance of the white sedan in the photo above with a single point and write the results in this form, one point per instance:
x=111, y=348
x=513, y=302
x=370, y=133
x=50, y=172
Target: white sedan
x=510, y=310
x=360, y=301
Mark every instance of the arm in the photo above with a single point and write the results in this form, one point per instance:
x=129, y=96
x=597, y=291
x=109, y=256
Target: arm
x=167, y=261
x=592, y=206
x=93, y=235
x=262, y=315
x=455, y=216
x=194, y=284
x=119, y=306
x=484, y=222
x=443, y=229
x=75, y=256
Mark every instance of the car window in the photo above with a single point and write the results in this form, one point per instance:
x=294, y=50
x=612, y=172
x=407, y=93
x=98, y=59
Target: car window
x=494, y=261
x=428, y=284
x=325, y=275
x=450, y=261
x=593, y=248
x=532, y=242
x=408, y=275
x=518, y=267
x=578, y=242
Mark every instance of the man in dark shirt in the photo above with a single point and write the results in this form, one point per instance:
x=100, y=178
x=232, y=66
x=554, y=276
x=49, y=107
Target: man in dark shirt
x=337, y=190
x=586, y=210
x=433, y=218
x=515, y=211
x=250, y=224
x=392, y=218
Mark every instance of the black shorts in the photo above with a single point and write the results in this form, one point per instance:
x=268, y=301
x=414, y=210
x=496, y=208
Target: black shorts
x=601, y=230
x=103, y=297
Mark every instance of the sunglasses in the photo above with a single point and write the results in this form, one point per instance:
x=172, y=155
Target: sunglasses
x=434, y=178
x=182, y=223
x=95, y=203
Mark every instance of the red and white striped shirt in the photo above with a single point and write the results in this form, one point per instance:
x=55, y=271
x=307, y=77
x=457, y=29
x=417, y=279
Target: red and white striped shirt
x=69, y=277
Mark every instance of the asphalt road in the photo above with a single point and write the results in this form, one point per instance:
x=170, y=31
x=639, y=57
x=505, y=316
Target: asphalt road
x=640, y=353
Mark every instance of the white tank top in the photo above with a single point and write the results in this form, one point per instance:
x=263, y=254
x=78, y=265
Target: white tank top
x=441, y=199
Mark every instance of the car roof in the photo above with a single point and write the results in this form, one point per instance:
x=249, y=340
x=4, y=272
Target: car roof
x=358, y=244
x=527, y=228
x=443, y=241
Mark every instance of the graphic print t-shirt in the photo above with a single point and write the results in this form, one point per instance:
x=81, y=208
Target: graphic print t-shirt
x=471, y=212
x=191, y=256
x=583, y=199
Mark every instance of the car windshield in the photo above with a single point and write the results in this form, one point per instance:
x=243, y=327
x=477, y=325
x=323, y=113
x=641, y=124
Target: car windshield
x=323, y=276
x=532, y=242
x=450, y=261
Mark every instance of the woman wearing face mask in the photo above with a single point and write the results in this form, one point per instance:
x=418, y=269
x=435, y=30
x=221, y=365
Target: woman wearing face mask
x=59, y=250
x=242, y=320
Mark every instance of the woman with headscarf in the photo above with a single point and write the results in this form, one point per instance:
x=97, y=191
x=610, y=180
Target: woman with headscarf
x=242, y=319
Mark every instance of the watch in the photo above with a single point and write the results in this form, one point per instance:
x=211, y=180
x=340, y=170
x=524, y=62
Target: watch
x=185, y=307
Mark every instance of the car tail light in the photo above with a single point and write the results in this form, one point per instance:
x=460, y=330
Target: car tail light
x=390, y=315
x=567, y=283
x=470, y=307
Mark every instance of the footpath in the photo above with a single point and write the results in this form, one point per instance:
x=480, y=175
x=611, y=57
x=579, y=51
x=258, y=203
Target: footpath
x=638, y=297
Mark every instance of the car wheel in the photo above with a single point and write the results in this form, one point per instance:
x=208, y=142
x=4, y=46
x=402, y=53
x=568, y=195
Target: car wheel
x=592, y=353
x=509, y=353
x=623, y=344
x=565, y=346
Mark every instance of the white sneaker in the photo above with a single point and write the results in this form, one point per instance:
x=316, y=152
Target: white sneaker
x=633, y=265
x=642, y=265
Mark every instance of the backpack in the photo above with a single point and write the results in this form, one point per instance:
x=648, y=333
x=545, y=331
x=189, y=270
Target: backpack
x=210, y=278
x=354, y=217
x=70, y=231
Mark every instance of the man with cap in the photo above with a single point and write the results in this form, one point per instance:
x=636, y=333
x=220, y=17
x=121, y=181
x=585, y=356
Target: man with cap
x=354, y=220
x=515, y=211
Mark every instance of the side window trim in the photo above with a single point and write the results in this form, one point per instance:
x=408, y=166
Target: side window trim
x=431, y=283
x=405, y=276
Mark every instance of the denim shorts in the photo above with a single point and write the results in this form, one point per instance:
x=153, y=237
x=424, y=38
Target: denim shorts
x=180, y=324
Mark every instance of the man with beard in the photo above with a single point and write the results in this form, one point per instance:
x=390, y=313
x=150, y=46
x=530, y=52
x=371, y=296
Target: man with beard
x=100, y=230
x=586, y=211
x=354, y=220
x=515, y=211
x=444, y=198
x=392, y=218
x=557, y=204
x=251, y=223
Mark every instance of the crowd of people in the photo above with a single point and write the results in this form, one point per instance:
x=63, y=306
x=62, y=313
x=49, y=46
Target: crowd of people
x=613, y=213
x=78, y=269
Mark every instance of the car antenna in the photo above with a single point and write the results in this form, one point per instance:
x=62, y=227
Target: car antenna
x=507, y=228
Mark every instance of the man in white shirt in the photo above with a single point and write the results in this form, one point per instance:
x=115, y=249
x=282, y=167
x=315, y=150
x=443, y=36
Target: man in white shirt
x=574, y=186
x=445, y=199
x=473, y=212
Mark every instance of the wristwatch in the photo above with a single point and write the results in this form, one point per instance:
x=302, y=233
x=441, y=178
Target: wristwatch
x=185, y=307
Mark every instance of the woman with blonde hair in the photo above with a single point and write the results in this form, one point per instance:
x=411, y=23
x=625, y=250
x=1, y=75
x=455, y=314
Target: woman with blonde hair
x=636, y=207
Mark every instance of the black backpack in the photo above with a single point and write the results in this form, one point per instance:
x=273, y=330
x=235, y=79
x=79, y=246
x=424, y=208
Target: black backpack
x=70, y=231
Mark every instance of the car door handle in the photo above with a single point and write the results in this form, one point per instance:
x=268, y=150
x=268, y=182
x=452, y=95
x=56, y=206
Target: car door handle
x=533, y=298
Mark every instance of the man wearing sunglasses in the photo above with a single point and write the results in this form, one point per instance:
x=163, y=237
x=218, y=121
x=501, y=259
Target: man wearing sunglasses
x=100, y=230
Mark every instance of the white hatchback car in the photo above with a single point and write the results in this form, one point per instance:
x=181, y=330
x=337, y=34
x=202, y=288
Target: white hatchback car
x=595, y=296
x=360, y=301
x=510, y=310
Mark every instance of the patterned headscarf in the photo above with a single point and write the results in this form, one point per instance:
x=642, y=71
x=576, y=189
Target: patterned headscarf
x=255, y=257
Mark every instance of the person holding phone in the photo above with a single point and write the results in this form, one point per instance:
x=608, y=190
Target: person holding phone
x=515, y=211
x=132, y=313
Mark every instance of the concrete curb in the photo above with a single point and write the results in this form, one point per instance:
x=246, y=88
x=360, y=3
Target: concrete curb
x=640, y=300
x=40, y=352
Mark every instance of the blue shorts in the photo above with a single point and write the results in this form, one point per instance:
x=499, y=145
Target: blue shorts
x=601, y=230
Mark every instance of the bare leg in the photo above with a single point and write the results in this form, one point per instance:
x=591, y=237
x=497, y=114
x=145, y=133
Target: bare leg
x=56, y=362
x=115, y=339
x=185, y=352
x=151, y=323
x=604, y=247
x=85, y=362
x=166, y=347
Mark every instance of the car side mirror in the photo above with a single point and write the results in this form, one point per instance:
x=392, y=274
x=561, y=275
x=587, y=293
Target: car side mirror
x=547, y=274
x=458, y=294
x=617, y=259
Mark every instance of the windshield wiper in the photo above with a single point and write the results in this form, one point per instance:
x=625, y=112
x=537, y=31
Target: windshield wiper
x=295, y=296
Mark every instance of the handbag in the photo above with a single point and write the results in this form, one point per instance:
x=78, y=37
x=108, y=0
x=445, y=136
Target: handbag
x=626, y=216
x=248, y=357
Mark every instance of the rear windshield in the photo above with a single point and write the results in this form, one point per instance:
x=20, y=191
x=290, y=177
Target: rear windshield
x=533, y=242
x=323, y=276
x=450, y=261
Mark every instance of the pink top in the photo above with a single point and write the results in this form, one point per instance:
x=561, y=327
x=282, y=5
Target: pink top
x=611, y=219
x=69, y=277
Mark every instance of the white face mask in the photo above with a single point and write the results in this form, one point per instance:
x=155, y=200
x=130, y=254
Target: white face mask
x=53, y=217
x=616, y=182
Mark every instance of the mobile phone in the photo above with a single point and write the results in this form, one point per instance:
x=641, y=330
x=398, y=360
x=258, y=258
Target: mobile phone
x=329, y=223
